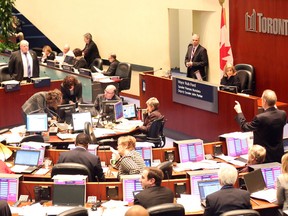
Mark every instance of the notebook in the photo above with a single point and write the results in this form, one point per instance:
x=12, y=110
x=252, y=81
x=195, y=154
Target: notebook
x=256, y=186
x=26, y=161
x=207, y=187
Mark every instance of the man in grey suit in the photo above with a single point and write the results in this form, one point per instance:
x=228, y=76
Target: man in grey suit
x=23, y=64
x=267, y=127
x=82, y=156
x=196, y=59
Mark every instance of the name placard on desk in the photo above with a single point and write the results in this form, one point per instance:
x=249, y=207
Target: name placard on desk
x=40, y=82
x=11, y=85
x=199, y=94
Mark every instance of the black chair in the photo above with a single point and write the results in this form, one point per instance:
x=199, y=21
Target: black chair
x=124, y=71
x=167, y=209
x=77, y=211
x=166, y=168
x=98, y=62
x=33, y=138
x=244, y=212
x=71, y=169
x=246, y=74
x=4, y=208
x=4, y=73
x=89, y=131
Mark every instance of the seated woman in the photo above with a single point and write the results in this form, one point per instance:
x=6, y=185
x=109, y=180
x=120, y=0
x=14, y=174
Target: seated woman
x=128, y=161
x=229, y=78
x=47, y=54
x=71, y=90
x=152, y=114
x=80, y=61
x=256, y=155
x=282, y=183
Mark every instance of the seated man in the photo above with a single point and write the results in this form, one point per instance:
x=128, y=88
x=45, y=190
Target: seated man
x=227, y=198
x=113, y=65
x=82, y=156
x=152, y=114
x=109, y=94
x=153, y=193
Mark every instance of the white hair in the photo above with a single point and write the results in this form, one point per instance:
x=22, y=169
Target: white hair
x=227, y=174
x=24, y=43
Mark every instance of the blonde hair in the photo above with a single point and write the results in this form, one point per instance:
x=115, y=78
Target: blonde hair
x=54, y=97
x=227, y=66
x=129, y=142
x=153, y=102
x=284, y=162
x=258, y=153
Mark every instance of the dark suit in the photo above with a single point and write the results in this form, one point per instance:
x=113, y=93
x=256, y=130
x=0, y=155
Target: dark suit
x=232, y=81
x=200, y=61
x=80, y=63
x=227, y=199
x=16, y=65
x=112, y=68
x=67, y=96
x=82, y=156
x=91, y=52
x=267, y=128
x=51, y=56
x=148, y=119
x=154, y=196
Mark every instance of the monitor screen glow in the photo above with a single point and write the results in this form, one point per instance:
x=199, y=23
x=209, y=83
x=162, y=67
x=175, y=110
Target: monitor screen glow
x=270, y=176
x=79, y=120
x=191, y=151
x=9, y=187
x=130, y=184
x=129, y=111
x=118, y=111
x=37, y=122
x=237, y=146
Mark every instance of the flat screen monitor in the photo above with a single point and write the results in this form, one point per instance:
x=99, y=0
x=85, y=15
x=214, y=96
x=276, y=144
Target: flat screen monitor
x=67, y=67
x=270, y=175
x=69, y=193
x=208, y=187
x=200, y=175
x=79, y=120
x=69, y=60
x=9, y=187
x=84, y=71
x=88, y=108
x=65, y=111
x=118, y=111
x=129, y=111
x=191, y=150
x=231, y=89
x=146, y=153
x=130, y=183
x=237, y=146
x=27, y=157
x=113, y=110
x=37, y=122
x=285, y=144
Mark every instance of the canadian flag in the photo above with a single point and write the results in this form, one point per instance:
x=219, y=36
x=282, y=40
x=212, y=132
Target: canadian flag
x=225, y=47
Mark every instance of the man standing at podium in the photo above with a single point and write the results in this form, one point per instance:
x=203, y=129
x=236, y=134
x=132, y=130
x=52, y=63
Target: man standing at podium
x=196, y=59
x=267, y=127
x=23, y=64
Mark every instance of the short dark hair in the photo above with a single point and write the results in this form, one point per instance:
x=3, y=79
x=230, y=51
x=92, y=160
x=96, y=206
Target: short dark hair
x=155, y=173
x=77, y=52
x=82, y=139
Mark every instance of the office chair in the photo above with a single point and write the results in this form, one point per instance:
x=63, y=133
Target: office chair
x=4, y=73
x=89, y=131
x=167, y=209
x=98, y=62
x=244, y=212
x=124, y=71
x=166, y=168
x=4, y=208
x=33, y=138
x=246, y=74
x=71, y=169
x=77, y=211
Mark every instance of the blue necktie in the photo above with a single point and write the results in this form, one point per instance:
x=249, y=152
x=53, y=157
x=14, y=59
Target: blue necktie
x=28, y=66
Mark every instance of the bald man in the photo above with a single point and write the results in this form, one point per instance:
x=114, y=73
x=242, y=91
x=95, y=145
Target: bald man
x=23, y=64
x=196, y=58
x=137, y=210
x=267, y=127
x=109, y=94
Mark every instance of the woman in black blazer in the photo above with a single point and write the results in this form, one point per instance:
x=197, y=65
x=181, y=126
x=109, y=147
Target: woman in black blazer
x=47, y=54
x=79, y=60
x=230, y=77
x=71, y=89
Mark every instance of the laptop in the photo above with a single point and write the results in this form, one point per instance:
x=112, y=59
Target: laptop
x=256, y=186
x=26, y=161
x=207, y=187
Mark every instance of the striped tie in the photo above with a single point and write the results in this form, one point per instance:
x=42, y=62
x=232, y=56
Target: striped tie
x=192, y=53
x=28, y=66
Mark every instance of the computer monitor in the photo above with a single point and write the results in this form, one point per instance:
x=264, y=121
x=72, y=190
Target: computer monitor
x=130, y=183
x=191, y=150
x=9, y=187
x=37, y=122
x=112, y=110
x=84, y=71
x=285, y=144
x=27, y=157
x=208, y=187
x=129, y=111
x=79, y=119
x=200, y=175
x=118, y=111
x=146, y=153
x=67, y=67
x=88, y=108
x=231, y=89
x=237, y=146
x=65, y=111
x=270, y=175
x=69, y=60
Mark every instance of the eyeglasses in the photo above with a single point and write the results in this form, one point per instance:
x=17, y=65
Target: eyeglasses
x=109, y=92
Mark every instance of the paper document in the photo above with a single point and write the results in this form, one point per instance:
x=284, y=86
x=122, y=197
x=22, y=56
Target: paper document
x=64, y=136
x=269, y=195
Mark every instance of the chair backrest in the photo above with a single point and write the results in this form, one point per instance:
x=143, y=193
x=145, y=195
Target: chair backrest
x=156, y=128
x=124, y=71
x=246, y=74
x=240, y=212
x=4, y=73
x=33, y=138
x=98, y=62
x=71, y=169
x=167, y=209
x=77, y=211
x=4, y=208
x=166, y=168
x=89, y=131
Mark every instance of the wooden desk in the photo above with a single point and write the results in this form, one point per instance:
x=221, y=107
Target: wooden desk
x=193, y=121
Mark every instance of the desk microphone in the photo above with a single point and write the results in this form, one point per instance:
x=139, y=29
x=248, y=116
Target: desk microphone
x=98, y=203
